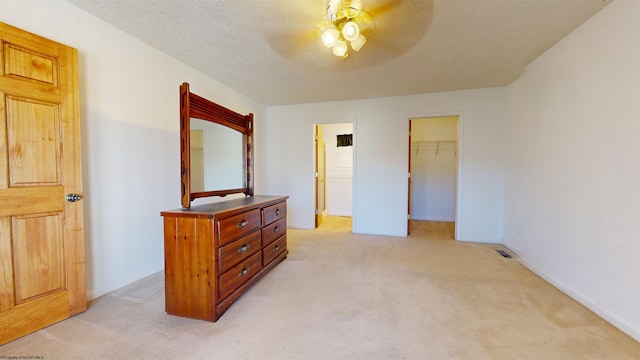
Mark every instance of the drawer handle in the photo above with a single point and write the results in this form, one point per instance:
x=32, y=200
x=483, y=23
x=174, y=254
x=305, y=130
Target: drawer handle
x=242, y=224
x=275, y=249
x=244, y=271
x=243, y=249
x=277, y=212
x=275, y=229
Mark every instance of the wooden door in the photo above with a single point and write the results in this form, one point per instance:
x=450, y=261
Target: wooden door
x=409, y=185
x=321, y=185
x=42, y=266
x=322, y=177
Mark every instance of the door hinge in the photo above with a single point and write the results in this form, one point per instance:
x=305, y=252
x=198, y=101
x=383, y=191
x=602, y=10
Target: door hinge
x=408, y=216
x=316, y=174
x=316, y=211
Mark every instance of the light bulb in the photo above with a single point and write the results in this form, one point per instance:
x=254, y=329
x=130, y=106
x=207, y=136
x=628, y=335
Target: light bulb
x=330, y=37
x=350, y=31
x=358, y=42
x=340, y=48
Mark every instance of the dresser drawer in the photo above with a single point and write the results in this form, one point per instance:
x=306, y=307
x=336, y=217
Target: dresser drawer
x=237, y=226
x=274, y=212
x=237, y=275
x=239, y=250
x=272, y=251
x=273, y=231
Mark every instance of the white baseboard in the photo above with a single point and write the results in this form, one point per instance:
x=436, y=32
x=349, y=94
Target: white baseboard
x=610, y=317
x=433, y=219
x=96, y=293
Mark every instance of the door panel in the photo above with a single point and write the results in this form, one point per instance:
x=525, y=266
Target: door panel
x=30, y=65
x=33, y=137
x=37, y=254
x=42, y=264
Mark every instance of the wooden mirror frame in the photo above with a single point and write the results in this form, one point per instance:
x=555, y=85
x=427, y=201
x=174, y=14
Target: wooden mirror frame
x=194, y=106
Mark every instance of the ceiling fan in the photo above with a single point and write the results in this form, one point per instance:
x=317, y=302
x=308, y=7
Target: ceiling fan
x=310, y=32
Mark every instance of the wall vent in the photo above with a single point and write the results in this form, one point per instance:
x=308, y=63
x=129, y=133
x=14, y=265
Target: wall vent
x=504, y=254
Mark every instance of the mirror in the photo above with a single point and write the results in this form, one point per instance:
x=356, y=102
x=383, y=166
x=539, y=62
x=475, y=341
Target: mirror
x=216, y=149
x=216, y=157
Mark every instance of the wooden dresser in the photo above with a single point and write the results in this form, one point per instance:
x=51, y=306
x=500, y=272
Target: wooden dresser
x=214, y=252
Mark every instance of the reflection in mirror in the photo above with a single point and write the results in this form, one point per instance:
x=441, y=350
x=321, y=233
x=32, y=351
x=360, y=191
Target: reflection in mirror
x=217, y=157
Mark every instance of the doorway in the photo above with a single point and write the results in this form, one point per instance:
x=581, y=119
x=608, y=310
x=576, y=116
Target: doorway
x=333, y=174
x=433, y=166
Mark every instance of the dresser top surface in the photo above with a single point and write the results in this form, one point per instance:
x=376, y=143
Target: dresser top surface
x=233, y=205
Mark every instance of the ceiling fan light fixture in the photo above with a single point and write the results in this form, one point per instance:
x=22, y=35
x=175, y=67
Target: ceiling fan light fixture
x=358, y=42
x=340, y=48
x=364, y=21
x=350, y=31
x=330, y=37
x=345, y=22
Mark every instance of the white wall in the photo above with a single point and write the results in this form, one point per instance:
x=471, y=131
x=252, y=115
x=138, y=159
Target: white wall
x=572, y=208
x=381, y=158
x=129, y=94
x=434, y=165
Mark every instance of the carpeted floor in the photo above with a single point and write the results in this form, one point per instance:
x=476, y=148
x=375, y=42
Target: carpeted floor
x=349, y=296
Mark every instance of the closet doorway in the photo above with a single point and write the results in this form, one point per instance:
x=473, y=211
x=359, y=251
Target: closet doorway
x=433, y=168
x=333, y=174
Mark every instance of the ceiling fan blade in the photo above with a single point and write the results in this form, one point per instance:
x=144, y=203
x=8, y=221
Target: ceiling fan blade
x=380, y=7
x=289, y=44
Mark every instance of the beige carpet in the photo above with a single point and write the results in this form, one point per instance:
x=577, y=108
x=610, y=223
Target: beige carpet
x=347, y=296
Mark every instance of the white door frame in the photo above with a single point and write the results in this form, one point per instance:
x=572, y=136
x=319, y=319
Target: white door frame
x=320, y=123
x=459, y=167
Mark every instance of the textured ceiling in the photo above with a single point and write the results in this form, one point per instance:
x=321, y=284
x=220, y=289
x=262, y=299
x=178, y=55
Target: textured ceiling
x=268, y=50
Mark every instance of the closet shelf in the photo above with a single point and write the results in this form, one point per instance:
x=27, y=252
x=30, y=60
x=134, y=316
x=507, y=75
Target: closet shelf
x=434, y=147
